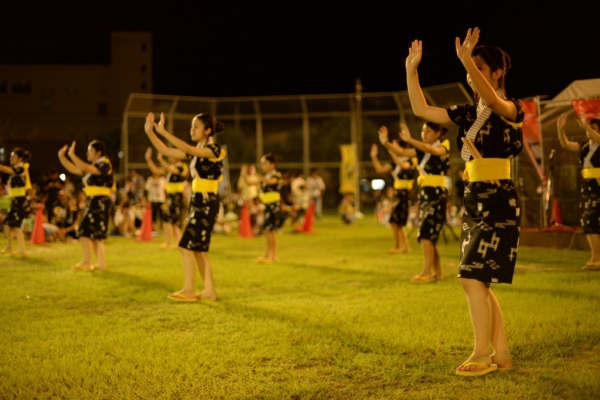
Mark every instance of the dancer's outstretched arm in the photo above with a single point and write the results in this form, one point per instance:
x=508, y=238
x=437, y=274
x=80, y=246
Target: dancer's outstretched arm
x=484, y=89
x=156, y=142
x=415, y=93
x=565, y=143
x=180, y=144
x=83, y=166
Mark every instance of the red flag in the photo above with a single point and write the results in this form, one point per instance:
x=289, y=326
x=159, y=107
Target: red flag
x=589, y=107
x=531, y=128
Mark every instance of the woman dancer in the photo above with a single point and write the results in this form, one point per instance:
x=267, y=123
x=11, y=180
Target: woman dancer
x=432, y=154
x=589, y=158
x=492, y=135
x=206, y=168
x=176, y=173
x=271, y=198
x=19, y=184
x=98, y=183
x=402, y=170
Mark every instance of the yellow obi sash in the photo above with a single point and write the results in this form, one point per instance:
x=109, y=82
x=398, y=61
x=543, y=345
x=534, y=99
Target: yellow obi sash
x=432, y=180
x=174, y=187
x=205, y=185
x=18, y=192
x=93, y=191
x=488, y=169
x=270, y=197
x=590, y=173
x=403, y=184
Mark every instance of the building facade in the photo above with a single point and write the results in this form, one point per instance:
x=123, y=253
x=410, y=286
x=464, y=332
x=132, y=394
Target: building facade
x=43, y=107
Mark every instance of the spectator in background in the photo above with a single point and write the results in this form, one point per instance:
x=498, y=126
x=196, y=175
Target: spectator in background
x=65, y=217
x=51, y=186
x=124, y=219
x=139, y=184
x=155, y=192
x=346, y=208
x=295, y=185
x=301, y=204
x=316, y=188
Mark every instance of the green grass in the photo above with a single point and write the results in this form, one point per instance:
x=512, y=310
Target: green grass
x=336, y=318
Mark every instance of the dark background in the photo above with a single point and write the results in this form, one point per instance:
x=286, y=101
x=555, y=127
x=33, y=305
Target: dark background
x=230, y=48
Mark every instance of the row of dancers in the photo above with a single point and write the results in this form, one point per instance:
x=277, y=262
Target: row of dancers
x=489, y=135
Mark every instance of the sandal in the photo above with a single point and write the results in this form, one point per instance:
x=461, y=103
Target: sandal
x=179, y=296
x=423, y=279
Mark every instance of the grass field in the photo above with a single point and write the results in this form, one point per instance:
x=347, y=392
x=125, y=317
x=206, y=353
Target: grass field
x=336, y=318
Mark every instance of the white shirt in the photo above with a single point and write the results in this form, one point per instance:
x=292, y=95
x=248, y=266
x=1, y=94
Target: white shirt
x=156, y=189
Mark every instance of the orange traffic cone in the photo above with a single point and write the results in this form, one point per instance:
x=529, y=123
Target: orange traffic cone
x=245, y=224
x=37, y=236
x=556, y=217
x=146, y=228
x=308, y=219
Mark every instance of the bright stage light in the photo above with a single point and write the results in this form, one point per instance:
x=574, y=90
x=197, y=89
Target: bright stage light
x=62, y=177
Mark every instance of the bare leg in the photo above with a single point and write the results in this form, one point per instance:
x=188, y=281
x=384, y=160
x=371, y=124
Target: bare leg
x=480, y=309
x=100, y=254
x=205, y=268
x=501, y=355
x=20, y=240
x=396, y=234
x=176, y=235
x=404, y=243
x=168, y=228
x=8, y=233
x=271, y=246
x=437, y=268
x=189, y=272
x=428, y=256
x=594, y=242
x=87, y=248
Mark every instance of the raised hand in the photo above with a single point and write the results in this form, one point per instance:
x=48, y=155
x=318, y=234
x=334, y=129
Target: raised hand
x=160, y=127
x=374, y=150
x=415, y=53
x=148, y=154
x=160, y=156
x=561, y=121
x=72, y=149
x=383, y=135
x=582, y=121
x=149, y=124
x=464, y=50
x=405, y=133
x=63, y=150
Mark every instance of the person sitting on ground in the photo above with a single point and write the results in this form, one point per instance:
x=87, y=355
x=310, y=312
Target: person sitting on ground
x=346, y=208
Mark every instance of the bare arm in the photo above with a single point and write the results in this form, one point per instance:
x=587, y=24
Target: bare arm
x=486, y=92
x=156, y=142
x=80, y=164
x=383, y=139
x=398, y=161
x=153, y=168
x=425, y=147
x=415, y=93
x=379, y=168
x=180, y=144
x=69, y=166
x=167, y=167
x=6, y=170
x=562, y=135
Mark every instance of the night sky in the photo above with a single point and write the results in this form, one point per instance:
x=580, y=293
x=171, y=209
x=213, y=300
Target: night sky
x=228, y=48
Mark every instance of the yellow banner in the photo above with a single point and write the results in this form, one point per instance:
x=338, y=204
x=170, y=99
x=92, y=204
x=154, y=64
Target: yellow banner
x=348, y=168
